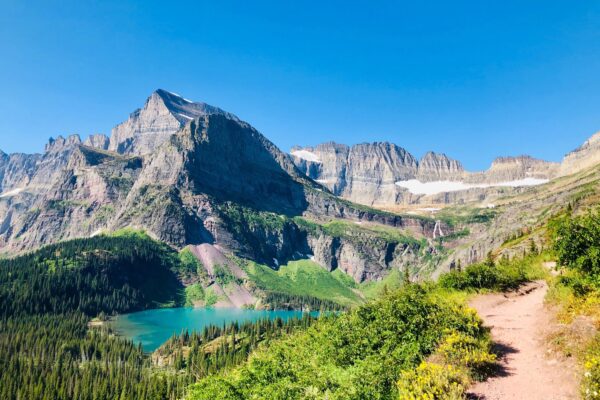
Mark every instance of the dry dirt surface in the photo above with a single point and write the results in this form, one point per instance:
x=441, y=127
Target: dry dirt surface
x=520, y=324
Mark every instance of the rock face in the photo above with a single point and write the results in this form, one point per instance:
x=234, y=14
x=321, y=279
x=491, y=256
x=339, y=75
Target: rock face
x=97, y=141
x=361, y=172
x=163, y=114
x=439, y=167
x=506, y=169
x=16, y=170
x=586, y=156
x=384, y=174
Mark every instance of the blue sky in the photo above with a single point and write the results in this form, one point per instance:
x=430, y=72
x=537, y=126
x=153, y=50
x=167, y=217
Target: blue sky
x=473, y=79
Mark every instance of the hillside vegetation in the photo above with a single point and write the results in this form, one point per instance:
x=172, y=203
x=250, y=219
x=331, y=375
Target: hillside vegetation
x=306, y=279
x=47, y=299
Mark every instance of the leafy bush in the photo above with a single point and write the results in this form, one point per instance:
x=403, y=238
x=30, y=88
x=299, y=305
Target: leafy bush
x=576, y=241
x=463, y=350
x=499, y=277
x=432, y=382
x=357, y=355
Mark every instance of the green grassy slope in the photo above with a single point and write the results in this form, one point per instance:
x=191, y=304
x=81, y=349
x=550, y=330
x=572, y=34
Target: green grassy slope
x=305, y=278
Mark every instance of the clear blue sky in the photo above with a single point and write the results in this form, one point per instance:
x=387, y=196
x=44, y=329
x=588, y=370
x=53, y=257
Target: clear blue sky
x=469, y=78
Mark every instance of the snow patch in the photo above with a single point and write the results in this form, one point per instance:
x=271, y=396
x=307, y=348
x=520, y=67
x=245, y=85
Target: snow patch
x=276, y=262
x=306, y=155
x=11, y=193
x=186, y=116
x=428, y=188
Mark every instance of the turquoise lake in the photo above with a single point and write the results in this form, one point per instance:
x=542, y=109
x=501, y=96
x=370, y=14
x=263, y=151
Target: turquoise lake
x=152, y=328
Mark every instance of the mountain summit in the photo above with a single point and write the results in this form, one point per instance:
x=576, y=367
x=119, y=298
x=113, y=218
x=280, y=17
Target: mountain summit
x=163, y=114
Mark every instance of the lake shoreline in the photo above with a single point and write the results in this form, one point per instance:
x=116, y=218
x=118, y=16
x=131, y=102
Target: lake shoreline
x=153, y=327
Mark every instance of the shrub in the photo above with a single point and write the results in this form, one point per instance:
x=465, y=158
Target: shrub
x=475, y=276
x=433, y=382
x=503, y=276
x=576, y=241
x=467, y=351
x=356, y=355
x=591, y=378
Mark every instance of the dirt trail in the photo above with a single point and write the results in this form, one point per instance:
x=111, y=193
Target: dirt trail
x=520, y=323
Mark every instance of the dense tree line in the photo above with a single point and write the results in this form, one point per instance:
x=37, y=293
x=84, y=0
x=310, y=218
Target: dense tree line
x=56, y=357
x=216, y=348
x=97, y=275
x=48, y=298
x=285, y=301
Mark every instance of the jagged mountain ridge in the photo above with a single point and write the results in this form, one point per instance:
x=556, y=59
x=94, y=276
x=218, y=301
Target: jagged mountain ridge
x=585, y=156
x=212, y=179
x=383, y=173
x=163, y=114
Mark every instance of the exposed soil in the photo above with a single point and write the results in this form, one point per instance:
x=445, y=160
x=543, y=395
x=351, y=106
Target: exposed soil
x=527, y=368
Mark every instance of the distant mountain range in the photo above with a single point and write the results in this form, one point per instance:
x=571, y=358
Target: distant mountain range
x=191, y=174
x=384, y=174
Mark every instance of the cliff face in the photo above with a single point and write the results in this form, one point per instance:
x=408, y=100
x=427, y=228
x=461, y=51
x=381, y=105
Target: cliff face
x=361, y=172
x=585, y=156
x=383, y=174
x=439, y=167
x=97, y=141
x=16, y=170
x=163, y=114
x=506, y=169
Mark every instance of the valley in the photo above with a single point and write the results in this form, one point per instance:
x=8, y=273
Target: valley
x=189, y=254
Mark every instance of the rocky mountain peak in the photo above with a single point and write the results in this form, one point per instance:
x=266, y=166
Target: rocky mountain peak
x=438, y=166
x=60, y=143
x=98, y=141
x=185, y=110
x=163, y=114
x=585, y=156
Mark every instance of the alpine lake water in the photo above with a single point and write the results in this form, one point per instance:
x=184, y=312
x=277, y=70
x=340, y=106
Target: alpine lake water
x=154, y=327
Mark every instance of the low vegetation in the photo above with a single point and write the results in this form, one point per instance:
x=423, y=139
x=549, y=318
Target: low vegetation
x=397, y=340
x=360, y=354
x=495, y=276
x=576, y=244
x=306, y=279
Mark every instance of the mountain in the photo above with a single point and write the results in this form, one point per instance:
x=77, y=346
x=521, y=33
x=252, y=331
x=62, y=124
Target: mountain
x=163, y=114
x=585, y=156
x=199, y=178
x=384, y=174
x=205, y=178
x=358, y=173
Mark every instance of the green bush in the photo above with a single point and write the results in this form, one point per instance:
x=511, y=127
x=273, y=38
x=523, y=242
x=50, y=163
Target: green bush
x=467, y=351
x=433, y=382
x=499, y=277
x=576, y=241
x=356, y=355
